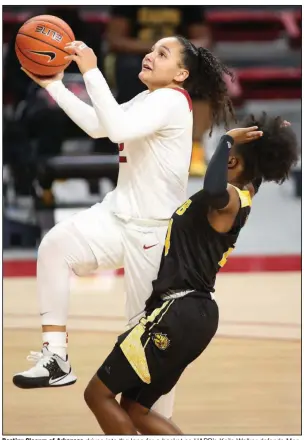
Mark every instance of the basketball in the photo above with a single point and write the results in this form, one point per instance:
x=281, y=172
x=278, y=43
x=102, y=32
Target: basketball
x=40, y=45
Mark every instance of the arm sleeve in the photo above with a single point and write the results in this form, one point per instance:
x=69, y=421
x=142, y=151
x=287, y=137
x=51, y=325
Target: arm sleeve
x=81, y=113
x=216, y=178
x=139, y=121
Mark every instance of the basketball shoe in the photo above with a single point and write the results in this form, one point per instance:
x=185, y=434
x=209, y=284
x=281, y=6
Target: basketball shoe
x=50, y=370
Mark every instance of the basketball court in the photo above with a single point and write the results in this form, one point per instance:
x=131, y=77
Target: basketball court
x=247, y=382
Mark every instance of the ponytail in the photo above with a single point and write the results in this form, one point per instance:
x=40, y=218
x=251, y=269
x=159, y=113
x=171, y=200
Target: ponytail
x=206, y=81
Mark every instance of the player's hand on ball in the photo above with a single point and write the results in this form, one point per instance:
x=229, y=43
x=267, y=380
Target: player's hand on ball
x=82, y=55
x=243, y=135
x=43, y=81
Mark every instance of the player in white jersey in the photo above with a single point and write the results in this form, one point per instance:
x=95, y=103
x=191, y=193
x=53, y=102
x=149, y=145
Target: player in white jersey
x=154, y=133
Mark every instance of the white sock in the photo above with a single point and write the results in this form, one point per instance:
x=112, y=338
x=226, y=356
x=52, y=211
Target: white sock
x=56, y=342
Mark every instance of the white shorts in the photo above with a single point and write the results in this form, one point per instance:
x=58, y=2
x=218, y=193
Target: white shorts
x=135, y=245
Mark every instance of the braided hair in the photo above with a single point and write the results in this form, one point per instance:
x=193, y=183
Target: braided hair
x=206, y=80
x=271, y=156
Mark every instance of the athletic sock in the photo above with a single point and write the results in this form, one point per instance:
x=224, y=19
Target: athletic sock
x=56, y=342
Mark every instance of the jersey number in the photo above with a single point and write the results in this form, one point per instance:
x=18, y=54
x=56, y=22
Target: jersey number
x=184, y=207
x=225, y=256
x=122, y=159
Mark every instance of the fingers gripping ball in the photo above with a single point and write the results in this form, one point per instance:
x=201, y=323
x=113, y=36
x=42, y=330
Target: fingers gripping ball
x=82, y=55
x=40, y=44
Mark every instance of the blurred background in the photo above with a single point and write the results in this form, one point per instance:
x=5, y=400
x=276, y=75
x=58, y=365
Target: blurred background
x=52, y=166
x=51, y=169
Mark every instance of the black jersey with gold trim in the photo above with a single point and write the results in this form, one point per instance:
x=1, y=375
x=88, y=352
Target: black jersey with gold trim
x=194, y=251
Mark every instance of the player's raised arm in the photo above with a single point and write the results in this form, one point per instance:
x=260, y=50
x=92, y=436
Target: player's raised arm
x=143, y=120
x=218, y=195
x=139, y=121
x=82, y=114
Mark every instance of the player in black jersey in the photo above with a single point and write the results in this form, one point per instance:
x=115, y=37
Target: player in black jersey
x=181, y=316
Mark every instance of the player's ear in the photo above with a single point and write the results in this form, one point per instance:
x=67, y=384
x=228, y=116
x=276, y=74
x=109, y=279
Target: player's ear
x=236, y=164
x=181, y=76
x=232, y=162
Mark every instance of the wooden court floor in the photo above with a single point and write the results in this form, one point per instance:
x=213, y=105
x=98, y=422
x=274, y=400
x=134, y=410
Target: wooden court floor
x=240, y=385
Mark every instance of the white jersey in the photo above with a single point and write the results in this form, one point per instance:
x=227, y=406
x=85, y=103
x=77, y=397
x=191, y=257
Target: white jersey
x=154, y=133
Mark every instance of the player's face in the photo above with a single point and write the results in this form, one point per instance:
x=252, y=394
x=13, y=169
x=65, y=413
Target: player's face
x=162, y=66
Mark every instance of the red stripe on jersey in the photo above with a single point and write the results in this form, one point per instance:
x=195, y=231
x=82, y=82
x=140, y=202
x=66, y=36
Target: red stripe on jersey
x=186, y=94
x=122, y=159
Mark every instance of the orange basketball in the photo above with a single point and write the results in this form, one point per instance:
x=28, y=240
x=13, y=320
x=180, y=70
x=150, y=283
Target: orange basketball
x=40, y=45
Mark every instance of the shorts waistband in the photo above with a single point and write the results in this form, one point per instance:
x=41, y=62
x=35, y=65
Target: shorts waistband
x=175, y=294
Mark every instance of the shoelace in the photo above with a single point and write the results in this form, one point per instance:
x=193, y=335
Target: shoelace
x=34, y=356
x=38, y=358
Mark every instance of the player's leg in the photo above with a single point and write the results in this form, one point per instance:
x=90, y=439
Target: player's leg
x=158, y=362
x=114, y=376
x=184, y=331
x=143, y=250
x=147, y=421
x=60, y=251
x=79, y=244
x=181, y=335
x=139, y=405
x=146, y=363
x=143, y=247
x=111, y=417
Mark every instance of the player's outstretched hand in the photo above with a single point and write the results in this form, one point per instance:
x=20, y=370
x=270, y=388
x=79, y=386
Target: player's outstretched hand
x=43, y=81
x=82, y=55
x=243, y=135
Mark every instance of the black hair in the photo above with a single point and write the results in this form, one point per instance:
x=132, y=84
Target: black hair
x=206, y=81
x=271, y=156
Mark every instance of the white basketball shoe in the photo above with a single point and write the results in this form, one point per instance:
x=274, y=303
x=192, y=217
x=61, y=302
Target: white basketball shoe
x=50, y=371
